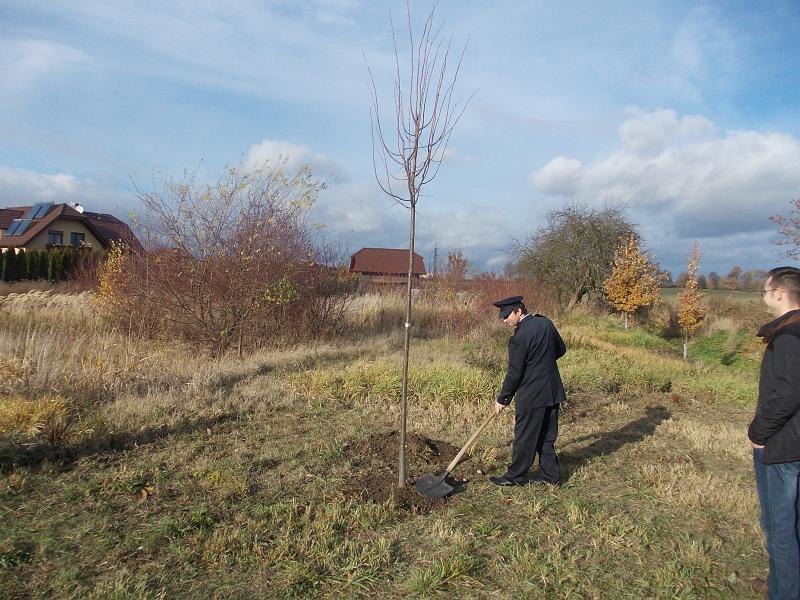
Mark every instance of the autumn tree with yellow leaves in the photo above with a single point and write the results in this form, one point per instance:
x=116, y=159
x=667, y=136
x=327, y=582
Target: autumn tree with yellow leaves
x=691, y=309
x=634, y=281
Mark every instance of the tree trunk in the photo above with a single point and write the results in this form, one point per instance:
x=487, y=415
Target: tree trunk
x=685, y=346
x=401, y=477
x=626, y=320
x=576, y=297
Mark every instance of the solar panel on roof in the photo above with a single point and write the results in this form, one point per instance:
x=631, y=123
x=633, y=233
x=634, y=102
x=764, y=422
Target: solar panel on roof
x=44, y=208
x=13, y=227
x=32, y=210
x=23, y=226
x=18, y=226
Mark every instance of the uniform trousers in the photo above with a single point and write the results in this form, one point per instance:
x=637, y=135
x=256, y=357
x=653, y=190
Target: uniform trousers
x=535, y=432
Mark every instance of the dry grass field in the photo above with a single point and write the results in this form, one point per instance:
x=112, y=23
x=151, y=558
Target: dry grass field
x=130, y=469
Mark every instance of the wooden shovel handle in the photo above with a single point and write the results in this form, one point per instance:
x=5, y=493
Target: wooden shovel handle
x=488, y=420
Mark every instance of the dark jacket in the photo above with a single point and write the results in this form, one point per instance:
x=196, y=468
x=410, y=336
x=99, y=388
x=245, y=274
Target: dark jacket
x=776, y=424
x=533, y=379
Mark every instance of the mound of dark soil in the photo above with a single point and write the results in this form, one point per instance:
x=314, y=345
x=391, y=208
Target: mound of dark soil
x=375, y=464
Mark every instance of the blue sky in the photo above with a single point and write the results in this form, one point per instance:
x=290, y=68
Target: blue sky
x=685, y=112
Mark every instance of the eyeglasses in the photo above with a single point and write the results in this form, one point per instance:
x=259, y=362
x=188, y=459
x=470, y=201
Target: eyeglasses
x=764, y=292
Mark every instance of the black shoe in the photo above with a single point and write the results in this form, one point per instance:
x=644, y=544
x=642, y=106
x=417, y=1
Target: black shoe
x=542, y=480
x=500, y=480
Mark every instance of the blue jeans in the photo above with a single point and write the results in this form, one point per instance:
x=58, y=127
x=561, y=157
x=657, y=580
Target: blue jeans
x=777, y=487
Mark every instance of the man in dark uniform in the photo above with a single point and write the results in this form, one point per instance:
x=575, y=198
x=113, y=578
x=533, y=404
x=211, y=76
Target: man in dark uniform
x=534, y=382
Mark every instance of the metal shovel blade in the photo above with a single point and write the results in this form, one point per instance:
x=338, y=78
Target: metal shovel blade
x=434, y=486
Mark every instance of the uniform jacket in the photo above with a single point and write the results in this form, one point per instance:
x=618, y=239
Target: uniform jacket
x=533, y=379
x=776, y=424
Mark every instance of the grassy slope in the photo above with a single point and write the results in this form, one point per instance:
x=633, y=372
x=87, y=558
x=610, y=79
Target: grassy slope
x=241, y=492
x=671, y=295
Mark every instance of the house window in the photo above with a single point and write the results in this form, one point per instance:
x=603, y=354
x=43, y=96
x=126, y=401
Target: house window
x=75, y=239
x=55, y=238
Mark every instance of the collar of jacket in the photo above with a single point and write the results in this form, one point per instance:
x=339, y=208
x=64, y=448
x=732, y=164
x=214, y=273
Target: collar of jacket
x=770, y=329
x=522, y=320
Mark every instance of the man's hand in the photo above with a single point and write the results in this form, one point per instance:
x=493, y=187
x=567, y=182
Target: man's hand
x=498, y=407
x=753, y=445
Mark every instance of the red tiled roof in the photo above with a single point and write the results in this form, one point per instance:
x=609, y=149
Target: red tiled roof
x=385, y=261
x=106, y=228
x=34, y=229
x=9, y=214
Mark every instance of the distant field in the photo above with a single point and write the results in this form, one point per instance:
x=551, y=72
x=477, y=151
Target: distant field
x=670, y=294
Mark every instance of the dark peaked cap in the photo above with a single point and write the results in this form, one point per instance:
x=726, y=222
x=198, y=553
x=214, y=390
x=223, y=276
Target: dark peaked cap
x=507, y=305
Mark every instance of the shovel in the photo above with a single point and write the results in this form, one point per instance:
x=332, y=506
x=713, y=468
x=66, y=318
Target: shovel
x=434, y=486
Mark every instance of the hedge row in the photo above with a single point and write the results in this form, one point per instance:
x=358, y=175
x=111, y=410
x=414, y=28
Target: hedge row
x=54, y=264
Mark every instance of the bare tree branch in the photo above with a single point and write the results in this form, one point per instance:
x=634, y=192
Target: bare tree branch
x=425, y=116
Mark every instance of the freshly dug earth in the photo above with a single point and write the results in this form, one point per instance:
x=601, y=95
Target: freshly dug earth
x=375, y=462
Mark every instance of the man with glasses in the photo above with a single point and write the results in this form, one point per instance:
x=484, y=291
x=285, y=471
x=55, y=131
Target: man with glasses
x=775, y=434
x=534, y=382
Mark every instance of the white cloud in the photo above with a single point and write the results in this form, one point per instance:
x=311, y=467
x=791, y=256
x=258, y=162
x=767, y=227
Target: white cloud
x=704, y=56
x=454, y=155
x=703, y=184
x=270, y=50
x=720, y=254
x=335, y=12
x=653, y=131
x=703, y=50
x=348, y=209
x=560, y=176
x=20, y=187
x=499, y=261
x=274, y=152
x=469, y=227
x=359, y=214
x=24, y=62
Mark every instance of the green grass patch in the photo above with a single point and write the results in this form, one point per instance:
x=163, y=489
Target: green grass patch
x=739, y=349
x=638, y=338
x=671, y=295
x=381, y=382
x=595, y=370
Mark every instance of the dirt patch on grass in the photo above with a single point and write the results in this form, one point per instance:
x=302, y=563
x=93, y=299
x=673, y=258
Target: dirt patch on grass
x=375, y=459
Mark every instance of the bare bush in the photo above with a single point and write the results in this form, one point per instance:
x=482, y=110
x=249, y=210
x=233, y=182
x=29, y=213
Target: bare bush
x=789, y=229
x=225, y=264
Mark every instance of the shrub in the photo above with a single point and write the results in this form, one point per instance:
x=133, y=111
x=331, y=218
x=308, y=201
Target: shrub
x=749, y=316
x=9, y=267
x=48, y=419
x=44, y=265
x=228, y=265
x=55, y=265
x=32, y=264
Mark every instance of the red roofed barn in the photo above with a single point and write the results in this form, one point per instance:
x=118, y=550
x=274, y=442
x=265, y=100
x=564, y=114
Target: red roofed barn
x=385, y=265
